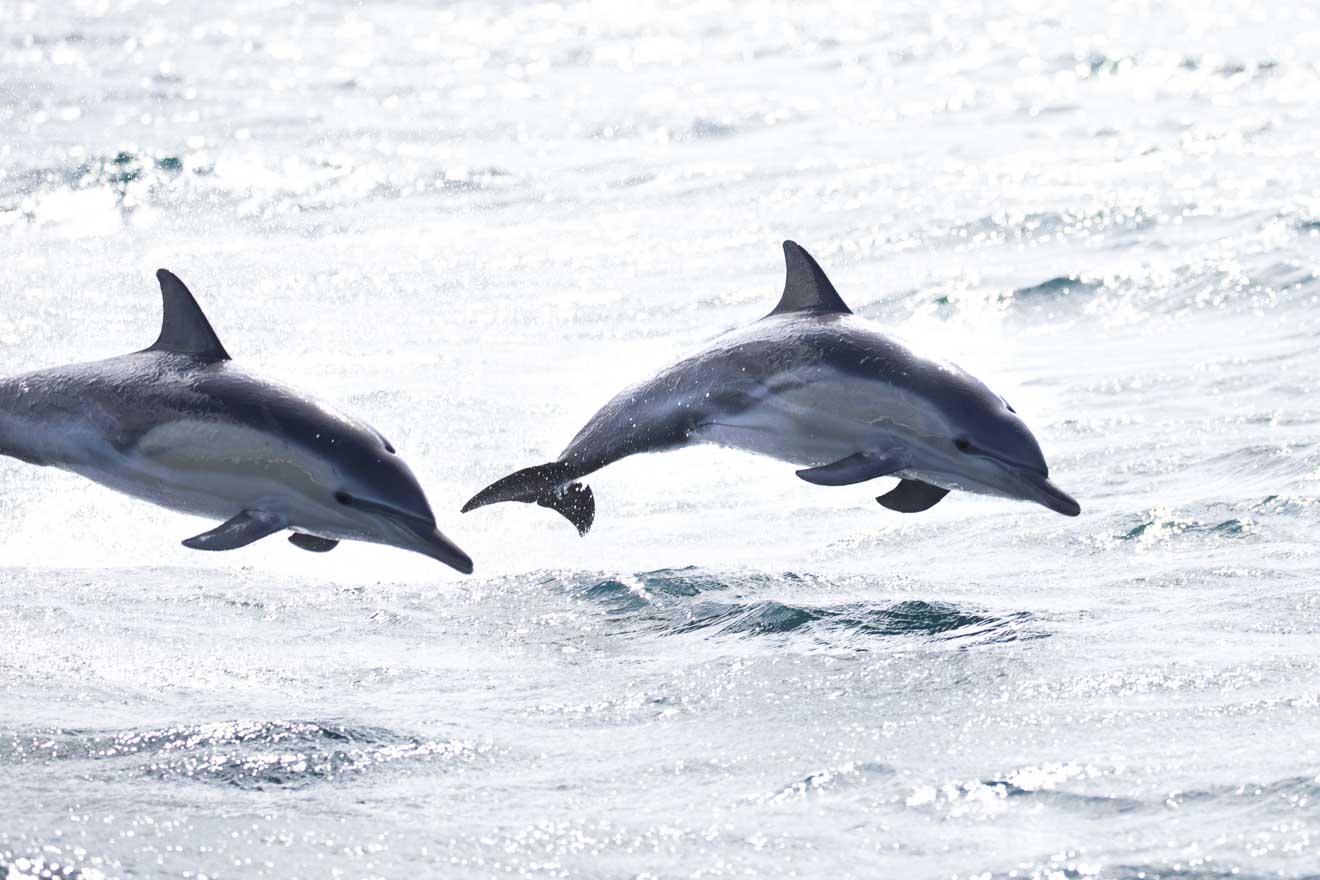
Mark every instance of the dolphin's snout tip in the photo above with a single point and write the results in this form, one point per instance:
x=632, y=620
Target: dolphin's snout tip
x=1058, y=500
x=447, y=552
x=450, y=555
x=1046, y=494
x=435, y=545
x=1068, y=508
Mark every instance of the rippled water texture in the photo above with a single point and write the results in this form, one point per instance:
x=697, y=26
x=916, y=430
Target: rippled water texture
x=472, y=223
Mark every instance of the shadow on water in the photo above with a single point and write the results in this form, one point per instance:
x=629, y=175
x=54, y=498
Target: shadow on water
x=250, y=755
x=681, y=602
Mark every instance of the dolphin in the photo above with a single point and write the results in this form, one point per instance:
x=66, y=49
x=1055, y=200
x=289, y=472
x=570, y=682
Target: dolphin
x=816, y=386
x=181, y=425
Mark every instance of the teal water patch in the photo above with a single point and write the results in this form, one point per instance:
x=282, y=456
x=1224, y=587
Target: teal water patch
x=1060, y=286
x=679, y=602
x=1160, y=528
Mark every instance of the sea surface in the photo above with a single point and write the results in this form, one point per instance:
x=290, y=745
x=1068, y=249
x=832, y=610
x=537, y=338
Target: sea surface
x=472, y=223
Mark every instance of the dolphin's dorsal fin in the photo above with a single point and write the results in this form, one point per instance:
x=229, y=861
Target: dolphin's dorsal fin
x=806, y=289
x=184, y=328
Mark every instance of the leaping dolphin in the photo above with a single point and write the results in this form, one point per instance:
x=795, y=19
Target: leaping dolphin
x=813, y=385
x=181, y=425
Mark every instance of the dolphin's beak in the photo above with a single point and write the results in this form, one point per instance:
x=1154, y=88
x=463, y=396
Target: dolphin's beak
x=437, y=546
x=1040, y=490
x=419, y=535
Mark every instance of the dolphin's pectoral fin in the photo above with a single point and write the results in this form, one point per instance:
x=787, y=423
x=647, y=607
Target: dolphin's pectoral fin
x=248, y=526
x=912, y=496
x=856, y=468
x=311, y=543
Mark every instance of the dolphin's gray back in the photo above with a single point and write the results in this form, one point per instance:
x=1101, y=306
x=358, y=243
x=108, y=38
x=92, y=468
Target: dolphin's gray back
x=50, y=417
x=124, y=398
x=662, y=411
x=773, y=356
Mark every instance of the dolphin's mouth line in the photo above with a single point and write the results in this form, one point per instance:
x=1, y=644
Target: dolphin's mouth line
x=409, y=520
x=422, y=529
x=1033, y=482
x=1020, y=468
x=1041, y=490
x=1006, y=463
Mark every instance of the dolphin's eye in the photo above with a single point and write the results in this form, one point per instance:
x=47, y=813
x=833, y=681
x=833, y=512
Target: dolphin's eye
x=962, y=444
x=343, y=498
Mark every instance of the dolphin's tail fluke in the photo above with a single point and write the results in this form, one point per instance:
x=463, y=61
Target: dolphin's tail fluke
x=547, y=485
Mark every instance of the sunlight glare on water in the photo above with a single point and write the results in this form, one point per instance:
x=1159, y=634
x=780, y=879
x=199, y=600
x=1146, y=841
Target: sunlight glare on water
x=472, y=225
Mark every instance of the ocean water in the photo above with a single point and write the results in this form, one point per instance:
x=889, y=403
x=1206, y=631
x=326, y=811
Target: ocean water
x=472, y=223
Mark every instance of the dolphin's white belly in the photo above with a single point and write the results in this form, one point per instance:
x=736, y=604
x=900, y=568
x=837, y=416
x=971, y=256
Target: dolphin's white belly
x=818, y=421
x=215, y=469
x=772, y=432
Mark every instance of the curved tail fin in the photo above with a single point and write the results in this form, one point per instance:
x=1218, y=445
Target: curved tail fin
x=547, y=486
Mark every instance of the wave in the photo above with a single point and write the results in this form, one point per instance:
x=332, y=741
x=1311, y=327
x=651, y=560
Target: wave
x=934, y=620
x=847, y=775
x=1059, y=786
x=1158, y=526
x=1174, y=870
x=75, y=743
x=1090, y=804
x=1287, y=793
x=1006, y=227
x=118, y=186
x=678, y=602
x=1100, y=64
x=1060, y=286
x=1243, y=519
x=1264, y=279
x=243, y=754
x=959, y=798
